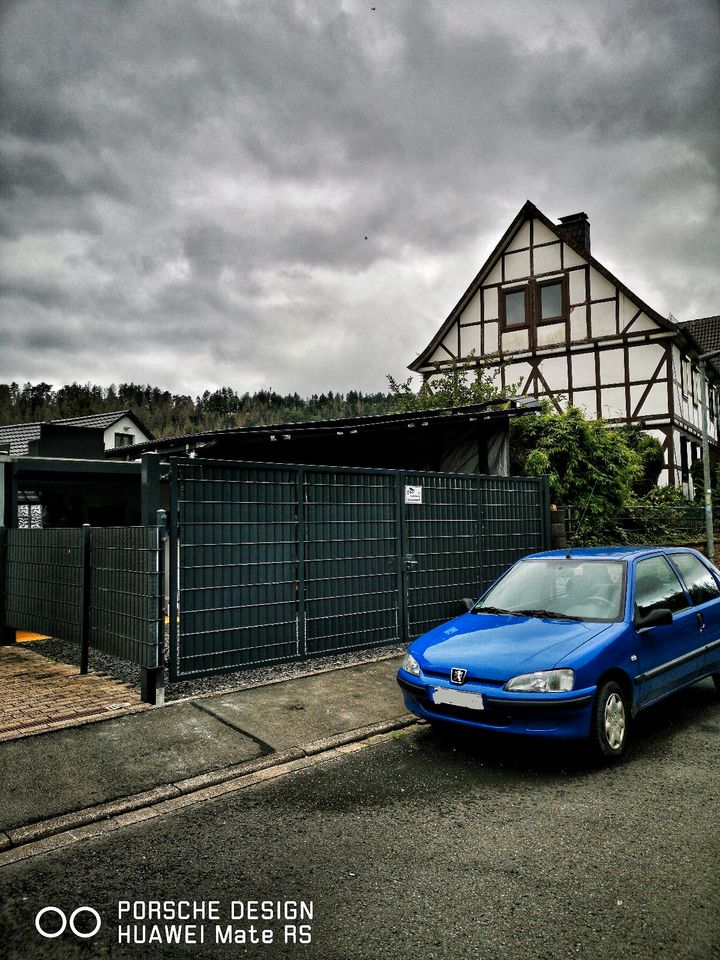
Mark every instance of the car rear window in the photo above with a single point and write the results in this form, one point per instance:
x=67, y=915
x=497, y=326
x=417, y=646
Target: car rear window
x=701, y=584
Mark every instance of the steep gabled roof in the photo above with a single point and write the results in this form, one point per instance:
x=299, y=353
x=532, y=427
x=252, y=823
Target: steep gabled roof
x=20, y=435
x=529, y=212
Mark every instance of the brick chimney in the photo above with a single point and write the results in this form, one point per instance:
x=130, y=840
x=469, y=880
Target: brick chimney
x=576, y=227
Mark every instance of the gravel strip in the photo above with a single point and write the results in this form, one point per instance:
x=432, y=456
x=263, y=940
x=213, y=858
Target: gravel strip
x=66, y=652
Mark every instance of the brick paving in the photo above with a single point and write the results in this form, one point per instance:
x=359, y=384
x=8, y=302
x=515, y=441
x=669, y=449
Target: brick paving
x=37, y=694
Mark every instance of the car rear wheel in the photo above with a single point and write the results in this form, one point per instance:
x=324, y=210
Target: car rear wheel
x=610, y=721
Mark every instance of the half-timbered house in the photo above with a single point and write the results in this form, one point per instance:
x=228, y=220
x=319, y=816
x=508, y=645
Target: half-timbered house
x=562, y=327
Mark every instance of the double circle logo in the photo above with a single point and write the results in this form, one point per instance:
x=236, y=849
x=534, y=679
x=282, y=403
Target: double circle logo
x=64, y=921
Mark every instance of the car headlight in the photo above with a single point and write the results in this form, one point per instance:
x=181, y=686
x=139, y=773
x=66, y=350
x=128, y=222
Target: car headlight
x=543, y=681
x=410, y=665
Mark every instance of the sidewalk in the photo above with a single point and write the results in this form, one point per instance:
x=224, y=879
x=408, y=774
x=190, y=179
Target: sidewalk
x=64, y=779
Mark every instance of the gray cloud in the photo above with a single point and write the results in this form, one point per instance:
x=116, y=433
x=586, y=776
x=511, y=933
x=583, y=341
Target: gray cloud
x=192, y=184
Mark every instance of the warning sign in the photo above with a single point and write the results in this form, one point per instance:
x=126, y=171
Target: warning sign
x=413, y=494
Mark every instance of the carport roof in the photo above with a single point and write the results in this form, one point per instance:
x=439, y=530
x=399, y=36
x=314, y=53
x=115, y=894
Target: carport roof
x=329, y=429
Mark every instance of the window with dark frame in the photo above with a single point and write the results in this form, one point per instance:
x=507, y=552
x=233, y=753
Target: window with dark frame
x=550, y=297
x=538, y=302
x=515, y=307
x=124, y=439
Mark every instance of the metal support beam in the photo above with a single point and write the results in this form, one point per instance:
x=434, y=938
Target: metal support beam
x=85, y=601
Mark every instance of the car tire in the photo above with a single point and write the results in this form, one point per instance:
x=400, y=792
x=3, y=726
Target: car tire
x=610, y=721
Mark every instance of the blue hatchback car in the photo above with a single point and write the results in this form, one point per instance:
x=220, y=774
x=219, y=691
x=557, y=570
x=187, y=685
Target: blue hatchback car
x=572, y=644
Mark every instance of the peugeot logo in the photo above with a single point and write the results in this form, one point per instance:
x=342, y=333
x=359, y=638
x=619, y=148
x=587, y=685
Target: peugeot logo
x=457, y=675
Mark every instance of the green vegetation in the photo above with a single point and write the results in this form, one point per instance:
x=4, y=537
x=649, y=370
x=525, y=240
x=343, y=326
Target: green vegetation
x=168, y=414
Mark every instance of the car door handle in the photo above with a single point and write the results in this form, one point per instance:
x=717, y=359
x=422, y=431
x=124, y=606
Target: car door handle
x=701, y=621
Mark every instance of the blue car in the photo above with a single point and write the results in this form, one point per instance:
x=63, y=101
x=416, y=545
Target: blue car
x=572, y=644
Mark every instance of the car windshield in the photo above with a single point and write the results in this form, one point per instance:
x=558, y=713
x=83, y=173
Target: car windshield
x=562, y=589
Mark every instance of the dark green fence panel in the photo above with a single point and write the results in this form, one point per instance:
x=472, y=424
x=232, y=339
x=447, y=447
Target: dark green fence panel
x=443, y=543
x=125, y=593
x=350, y=560
x=44, y=581
x=273, y=562
x=515, y=521
x=236, y=566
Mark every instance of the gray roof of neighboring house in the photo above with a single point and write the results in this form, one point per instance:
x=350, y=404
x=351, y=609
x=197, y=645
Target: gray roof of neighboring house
x=706, y=331
x=20, y=435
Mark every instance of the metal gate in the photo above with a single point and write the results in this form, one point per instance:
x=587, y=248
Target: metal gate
x=278, y=562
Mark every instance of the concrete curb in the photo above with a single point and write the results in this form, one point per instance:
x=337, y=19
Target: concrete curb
x=34, y=839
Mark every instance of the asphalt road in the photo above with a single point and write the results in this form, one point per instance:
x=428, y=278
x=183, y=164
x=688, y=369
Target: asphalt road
x=427, y=846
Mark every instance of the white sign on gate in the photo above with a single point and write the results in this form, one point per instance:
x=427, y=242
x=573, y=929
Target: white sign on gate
x=413, y=494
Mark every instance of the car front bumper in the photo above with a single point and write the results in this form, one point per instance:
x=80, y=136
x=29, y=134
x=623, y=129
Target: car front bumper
x=564, y=715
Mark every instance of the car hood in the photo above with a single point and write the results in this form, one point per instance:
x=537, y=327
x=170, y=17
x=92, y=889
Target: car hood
x=498, y=647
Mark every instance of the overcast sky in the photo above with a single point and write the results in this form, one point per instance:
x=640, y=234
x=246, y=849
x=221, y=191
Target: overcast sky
x=206, y=193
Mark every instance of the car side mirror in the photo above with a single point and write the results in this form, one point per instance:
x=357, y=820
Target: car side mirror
x=466, y=604
x=660, y=617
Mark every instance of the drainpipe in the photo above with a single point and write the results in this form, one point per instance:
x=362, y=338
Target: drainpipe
x=706, y=455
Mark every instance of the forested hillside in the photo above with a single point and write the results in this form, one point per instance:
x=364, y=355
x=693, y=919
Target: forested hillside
x=168, y=414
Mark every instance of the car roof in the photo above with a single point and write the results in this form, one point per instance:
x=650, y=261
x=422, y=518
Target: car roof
x=603, y=553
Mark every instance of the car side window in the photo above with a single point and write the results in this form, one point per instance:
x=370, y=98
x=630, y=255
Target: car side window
x=657, y=587
x=701, y=584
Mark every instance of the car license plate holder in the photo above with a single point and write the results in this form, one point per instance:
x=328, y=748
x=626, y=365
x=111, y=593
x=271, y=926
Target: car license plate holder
x=458, y=698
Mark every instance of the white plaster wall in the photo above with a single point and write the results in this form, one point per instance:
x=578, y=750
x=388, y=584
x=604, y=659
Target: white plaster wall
x=546, y=259
x=578, y=324
x=515, y=340
x=583, y=369
x=554, y=369
x=600, y=288
x=490, y=303
x=469, y=340
x=471, y=313
x=572, y=259
x=612, y=400
x=577, y=286
x=521, y=238
x=517, y=265
x=550, y=334
x=644, y=358
x=491, y=337
x=124, y=425
x=541, y=234
x=602, y=319
x=656, y=402
x=587, y=401
x=612, y=366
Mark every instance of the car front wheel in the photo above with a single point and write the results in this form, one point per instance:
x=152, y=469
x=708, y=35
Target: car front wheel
x=610, y=721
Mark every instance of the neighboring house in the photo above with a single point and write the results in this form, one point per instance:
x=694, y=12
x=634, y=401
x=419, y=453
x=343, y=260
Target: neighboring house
x=564, y=328
x=121, y=428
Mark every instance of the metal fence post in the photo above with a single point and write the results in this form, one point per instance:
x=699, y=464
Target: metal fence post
x=8, y=518
x=152, y=679
x=545, y=509
x=85, y=601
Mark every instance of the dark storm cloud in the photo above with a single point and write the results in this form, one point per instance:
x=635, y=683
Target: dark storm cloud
x=295, y=193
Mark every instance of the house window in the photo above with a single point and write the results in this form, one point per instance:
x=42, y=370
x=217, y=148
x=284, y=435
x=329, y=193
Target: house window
x=515, y=308
x=684, y=376
x=551, y=301
x=711, y=401
x=695, y=387
x=124, y=439
x=536, y=303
